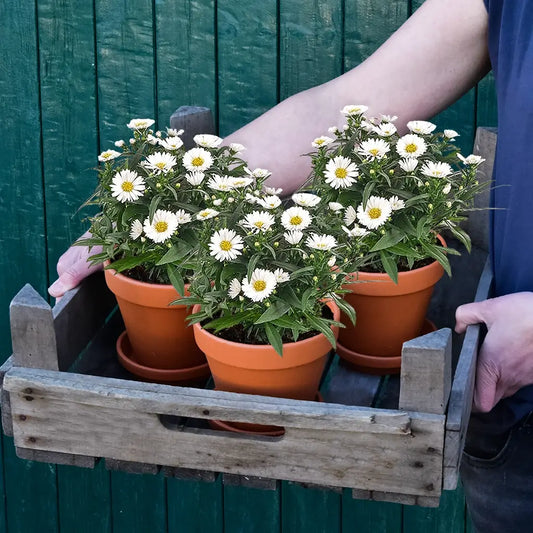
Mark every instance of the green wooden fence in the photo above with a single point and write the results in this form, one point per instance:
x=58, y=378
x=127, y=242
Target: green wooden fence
x=72, y=73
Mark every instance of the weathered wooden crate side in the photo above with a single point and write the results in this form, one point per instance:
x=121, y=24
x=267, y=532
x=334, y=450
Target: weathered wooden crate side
x=343, y=446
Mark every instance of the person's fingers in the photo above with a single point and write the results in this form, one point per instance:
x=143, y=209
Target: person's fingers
x=486, y=394
x=467, y=314
x=71, y=278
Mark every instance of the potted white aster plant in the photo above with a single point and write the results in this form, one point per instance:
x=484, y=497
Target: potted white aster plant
x=153, y=197
x=392, y=195
x=267, y=292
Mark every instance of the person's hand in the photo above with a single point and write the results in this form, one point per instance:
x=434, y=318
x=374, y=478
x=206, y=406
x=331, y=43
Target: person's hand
x=505, y=359
x=72, y=268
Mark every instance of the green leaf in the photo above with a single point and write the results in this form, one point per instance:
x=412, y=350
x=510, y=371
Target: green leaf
x=131, y=262
x=322, y=326
x=347, y=309
x=286, y=322
x=175, y=277
x=274, y=338
x=369, y=187
x=392, y=237
x=461, y=235
x=276, y=310
x=389, y=264
x=154, y=204
x=436, y=252
x=177, y=252
x=225, y=322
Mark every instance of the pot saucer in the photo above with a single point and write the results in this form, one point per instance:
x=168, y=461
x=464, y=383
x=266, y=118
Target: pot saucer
x=252, y=429
x=376, y=364
x=196, y=375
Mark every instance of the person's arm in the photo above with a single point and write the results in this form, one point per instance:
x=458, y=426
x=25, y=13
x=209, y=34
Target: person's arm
x=436, y=56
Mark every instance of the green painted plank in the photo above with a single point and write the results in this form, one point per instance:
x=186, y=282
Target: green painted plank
x=195, y=506
x=247, y=61
x=84, y=503
x=66, y=45
x=309, y=509
x=3, y=509
x=362, y=516
x=31, y=493
x=125, y=66
x=251, y=510
x=22, y=232
x=186, y=55
x=487, y=106
x=447, y=518
x=311, y=43
x=138, y=503
x=367, y=25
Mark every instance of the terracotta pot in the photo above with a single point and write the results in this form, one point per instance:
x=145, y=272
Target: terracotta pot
x=156, y=331
x=258, y=369
x=387, y=315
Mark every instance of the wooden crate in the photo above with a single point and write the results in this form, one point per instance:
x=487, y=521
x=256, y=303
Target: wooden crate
x=65, y=399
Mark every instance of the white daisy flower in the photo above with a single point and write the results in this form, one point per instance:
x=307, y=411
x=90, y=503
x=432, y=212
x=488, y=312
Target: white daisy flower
x=220, y=183
x=234, y=288
x=334, y=129
x=109, y=155
x=447, y=188
x=258, y=221
x=260, y=286
x=275, y=191
x=374, y=148
x=171, y=143
x=386, y=129
x=354, y=109
x=217, y=202
x=350, y=215
x=182, y=216
x=206, y=213
x=281, y=275
x=340, y=172
x=127, y=186
x=356, y=231
x=323, y=140
x=293, y=236
x=236, y=148
x=195, y=177
x=451, y=134
x=376, y=213
x=436, y=170
x=258, y=172
x=396, y=203
x=471, y=159
x=171, y=132
x=408, y=164
x=269, y=202
x=251, y=199
x=411, y=146
x=152, y=140
x=162, y=226
x=240, y=182
x=207, y=141
x=140, y=123
x=120, y=143
x=367, y=126
x=197, y=159
x=295, y=218
x=388, y=118
x=160, y=162
x=136, y=229
x=306, y=199
x=421, y=127
x=335, y=206
x=332, y=261
x=225, y=245
x=321, y=242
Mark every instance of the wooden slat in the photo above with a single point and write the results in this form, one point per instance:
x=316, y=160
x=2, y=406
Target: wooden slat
x=56, y=457
x=7, y=422
x=131, y=467
x=426, y=372
x=193, y=120
x=251, y=482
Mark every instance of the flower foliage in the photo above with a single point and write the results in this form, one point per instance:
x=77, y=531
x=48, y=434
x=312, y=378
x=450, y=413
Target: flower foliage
x=391, y=194
x=266, y=267
x=154, y=196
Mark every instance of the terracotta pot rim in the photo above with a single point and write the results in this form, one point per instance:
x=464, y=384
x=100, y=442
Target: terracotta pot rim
x=136, y=282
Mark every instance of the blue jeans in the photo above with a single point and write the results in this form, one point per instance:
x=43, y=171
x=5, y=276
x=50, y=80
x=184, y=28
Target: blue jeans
x=497, y=473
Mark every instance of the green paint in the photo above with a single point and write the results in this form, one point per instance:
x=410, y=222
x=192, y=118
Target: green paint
x=309, y=509
x=361, y=516
x=247, y=62
x=487, y=109
x=185, y=56
x=195, y=506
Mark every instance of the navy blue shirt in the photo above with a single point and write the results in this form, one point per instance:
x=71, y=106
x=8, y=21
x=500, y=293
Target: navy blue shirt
x=511, y=54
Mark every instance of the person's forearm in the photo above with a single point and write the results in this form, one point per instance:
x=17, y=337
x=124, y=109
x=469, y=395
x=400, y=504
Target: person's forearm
x=434, y=58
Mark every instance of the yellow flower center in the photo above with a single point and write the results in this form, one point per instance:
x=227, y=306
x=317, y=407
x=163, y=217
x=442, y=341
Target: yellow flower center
x=341, y=173
x=319, y=141
x=161, y=226
x=127, y=186
x=374, y=212
x=198, y=161
x=411, y=148
x=296, y=220
x=374, y=151
x=260, y=285
x=259, y=224
x=161, y=165
x=225, y=246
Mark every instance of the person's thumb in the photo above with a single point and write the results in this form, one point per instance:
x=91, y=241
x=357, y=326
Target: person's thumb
x=467, y=314
x=486, y=395
x=70, y=278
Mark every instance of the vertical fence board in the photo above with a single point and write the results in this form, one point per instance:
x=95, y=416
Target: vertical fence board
x=310, y=43
x=125, y=66
x=247, y=62
x=369, y=516
x=309, y=509
x=185, y=40
x=194, y=506
x=487, y=109
x=83, y=499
